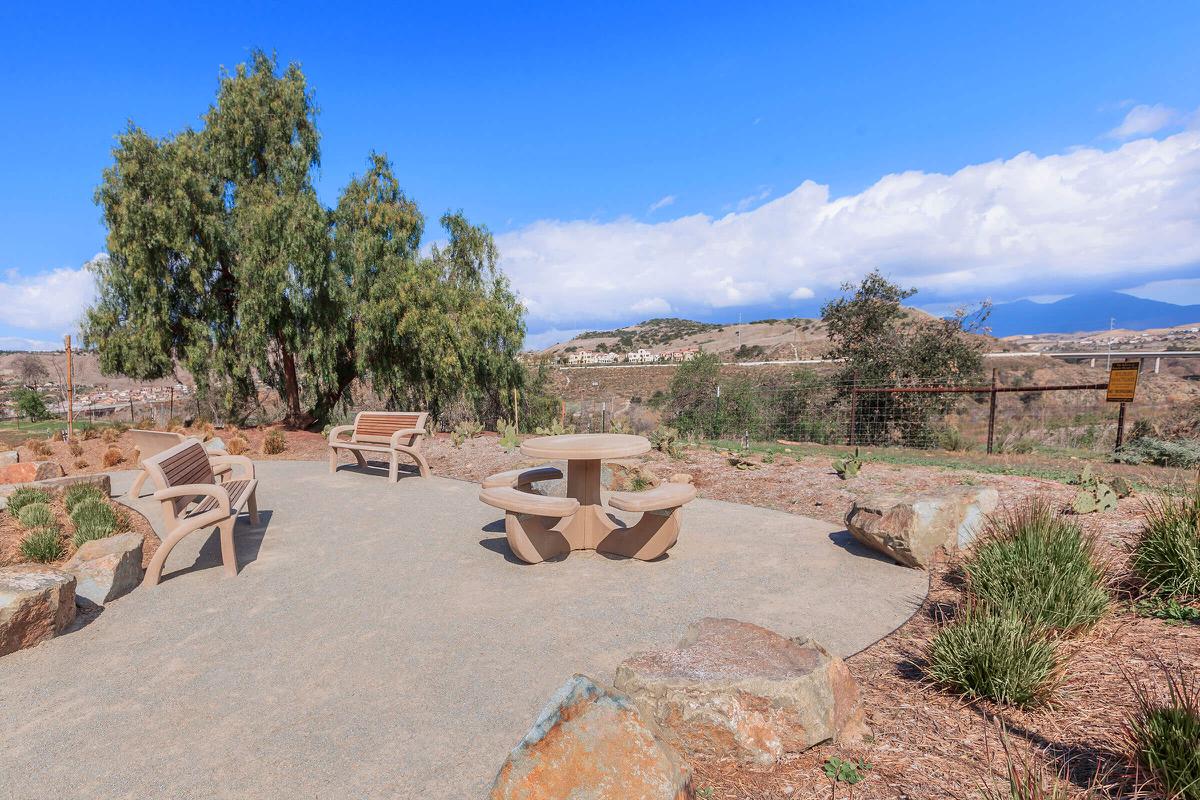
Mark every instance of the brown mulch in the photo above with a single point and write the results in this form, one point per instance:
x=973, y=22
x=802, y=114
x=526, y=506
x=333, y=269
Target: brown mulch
x=926, y=743
x=11, y=532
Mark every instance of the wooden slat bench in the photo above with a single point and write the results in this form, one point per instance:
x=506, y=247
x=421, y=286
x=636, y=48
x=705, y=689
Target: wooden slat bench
x=658, y=529
x=529, y=520
x=192, y=499
x=150, y=444
x=390, y=433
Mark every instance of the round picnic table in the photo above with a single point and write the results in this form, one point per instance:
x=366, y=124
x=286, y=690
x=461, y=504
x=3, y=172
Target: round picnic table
x=584, y=453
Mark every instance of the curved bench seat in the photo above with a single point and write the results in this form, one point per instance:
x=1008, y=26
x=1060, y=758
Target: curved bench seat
x=518, y=502
x=660, y=498
x=658, y=529
x=529, y=521
x=516, y=478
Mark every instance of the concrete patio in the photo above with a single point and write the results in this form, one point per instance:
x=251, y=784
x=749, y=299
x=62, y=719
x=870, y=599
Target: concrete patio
x=381, y=641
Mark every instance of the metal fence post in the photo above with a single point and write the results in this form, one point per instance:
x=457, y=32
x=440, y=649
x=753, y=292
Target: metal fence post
x=992, y=414
x=1120, y=427
x=853, y=409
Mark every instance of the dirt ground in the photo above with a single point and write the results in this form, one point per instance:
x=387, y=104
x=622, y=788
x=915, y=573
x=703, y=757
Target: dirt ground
x=11, y=532
x=925, y=743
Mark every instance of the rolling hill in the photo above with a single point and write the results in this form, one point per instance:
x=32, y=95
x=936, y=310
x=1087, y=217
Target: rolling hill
x=1088, y=312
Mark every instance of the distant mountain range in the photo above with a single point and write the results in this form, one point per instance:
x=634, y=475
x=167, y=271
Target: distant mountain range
x=1088, y=312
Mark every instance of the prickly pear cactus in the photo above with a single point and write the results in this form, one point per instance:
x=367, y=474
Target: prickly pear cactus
x=848, y=467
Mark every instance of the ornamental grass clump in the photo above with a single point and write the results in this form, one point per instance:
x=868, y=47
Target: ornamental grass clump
x=1164, y=733
x=36, y=515
x=23, y=497
x=1040, y=566
x=274, y=442
x=43, y=544
x=1167, y=554
x=94, y=519
x=75, y=495
x=997, y=655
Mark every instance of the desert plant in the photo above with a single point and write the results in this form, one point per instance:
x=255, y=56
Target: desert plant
x=665, y=439
x=1094, y=494
x=75, y=448
x=995, y=654
x=36, y=515
x=467, y=429
x=555, y=428
x=94, y=519
x=43, y=544
x=39, y=447
x=509, y=438
x=1164, y=733
x=112, y=457
x=75, y=495
x=81, y=463
x=849, y=771
x=86, y=430
x=207, y=431
x=25, y=496
x=848, y=466
x=110, y=435
x=237, y=445
x=1163, y=452
x=768, y=458
x=952, y=439
x=1038, y=565
x=274, y=442
x=1167, y=554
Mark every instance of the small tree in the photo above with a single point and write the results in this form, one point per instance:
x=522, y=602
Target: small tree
x=31, y=405
x=884, y=344
x=696, y=408
x=31, y=370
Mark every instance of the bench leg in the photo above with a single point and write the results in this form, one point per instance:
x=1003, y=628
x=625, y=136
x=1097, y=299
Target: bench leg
x=333, y=460
x=228, y=552
x=135, y=491
x=654, y=534
x=155, y=567
x=532, y=538
x=394, y=467
x=252, y=507
x=417, y=456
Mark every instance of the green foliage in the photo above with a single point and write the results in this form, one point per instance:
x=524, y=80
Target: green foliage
x=996, y=655
x=665, y=439
x=847, y=467
x=43, y=544
x=768, y=458
x=222, y=258
x=275, y=442
x=1094, y=494
x=1147, y=450
x=25, y=496
x=639, y=482
x=554, y=428
x=36, y=515
x=509, y=439
x=1164, y=733
x=883, y=344
x=695, y=407
x=1167, y=609
x=952, y=439
x=94, y=519
x=75, y=495
x=1166, y=556
x=467, y=429
x=31, y=405
x=1040, y=566
x=849, y=771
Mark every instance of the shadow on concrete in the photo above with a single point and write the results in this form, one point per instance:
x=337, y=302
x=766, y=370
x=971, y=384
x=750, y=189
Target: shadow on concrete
x=380, y=469
x=247, y=542
x=854, y=547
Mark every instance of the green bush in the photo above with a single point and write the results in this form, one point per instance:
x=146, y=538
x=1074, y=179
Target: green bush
x=78, y=494
x=1164, y=453
x=36, y=515
x=1165, y=735
x=1167, y=554
x=997, y=655
x=94, y=519
x=23, y=497
x=43, y=544
x=1041, y=566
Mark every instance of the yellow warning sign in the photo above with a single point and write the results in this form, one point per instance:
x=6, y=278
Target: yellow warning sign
x=1122, y=381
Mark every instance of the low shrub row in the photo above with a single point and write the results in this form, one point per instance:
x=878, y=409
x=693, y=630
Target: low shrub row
x=89, y=509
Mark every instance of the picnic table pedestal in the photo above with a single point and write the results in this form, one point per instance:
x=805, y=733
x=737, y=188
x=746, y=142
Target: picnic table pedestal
x=584, y=454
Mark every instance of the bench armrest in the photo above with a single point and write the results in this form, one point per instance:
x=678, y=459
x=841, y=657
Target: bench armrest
x=405, y=433
x=236, y=461
x=196, y=490
x=337, y=431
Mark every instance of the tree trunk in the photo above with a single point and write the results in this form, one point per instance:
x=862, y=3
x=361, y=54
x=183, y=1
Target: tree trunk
x=295, y=414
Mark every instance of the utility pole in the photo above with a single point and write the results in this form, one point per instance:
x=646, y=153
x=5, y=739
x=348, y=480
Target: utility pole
x=1112, y=324
x=70, y=394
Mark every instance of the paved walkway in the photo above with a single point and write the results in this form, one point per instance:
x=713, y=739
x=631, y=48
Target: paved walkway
x=381, y=642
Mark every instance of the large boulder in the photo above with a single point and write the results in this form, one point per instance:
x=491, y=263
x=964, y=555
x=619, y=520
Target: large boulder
x=912, y=528
x=100, y=480
x=36, y=603
x=592, y=743
x=731, y=687
x=8, y=457
x=29, y=471
x=106, y=569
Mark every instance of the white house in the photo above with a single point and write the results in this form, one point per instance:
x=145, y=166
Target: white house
x=641, y=356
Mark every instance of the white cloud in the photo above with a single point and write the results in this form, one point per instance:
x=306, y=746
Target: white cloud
x=1013, y=227
x=662, y=202
x=752, y=200
x=651, y=305
x=1181, y=291
x=802, y=293
x=1144, y=120
x=21, y=343
x=46, y=301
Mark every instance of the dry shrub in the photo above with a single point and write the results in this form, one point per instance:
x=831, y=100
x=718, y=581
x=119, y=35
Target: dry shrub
x=113, y=456
x=274, y=442
x=81, y=463
x=89, y=433
x=75, y=447
x=236, y=446
x=207, y=431
x=39, y=447
x=110, y=435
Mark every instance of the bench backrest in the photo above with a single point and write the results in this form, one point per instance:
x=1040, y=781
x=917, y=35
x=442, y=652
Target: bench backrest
x=377, y=427
x=151, y=443
x=186, y=462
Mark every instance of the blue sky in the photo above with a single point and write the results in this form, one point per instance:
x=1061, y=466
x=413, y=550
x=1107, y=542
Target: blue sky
x=645, y=159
